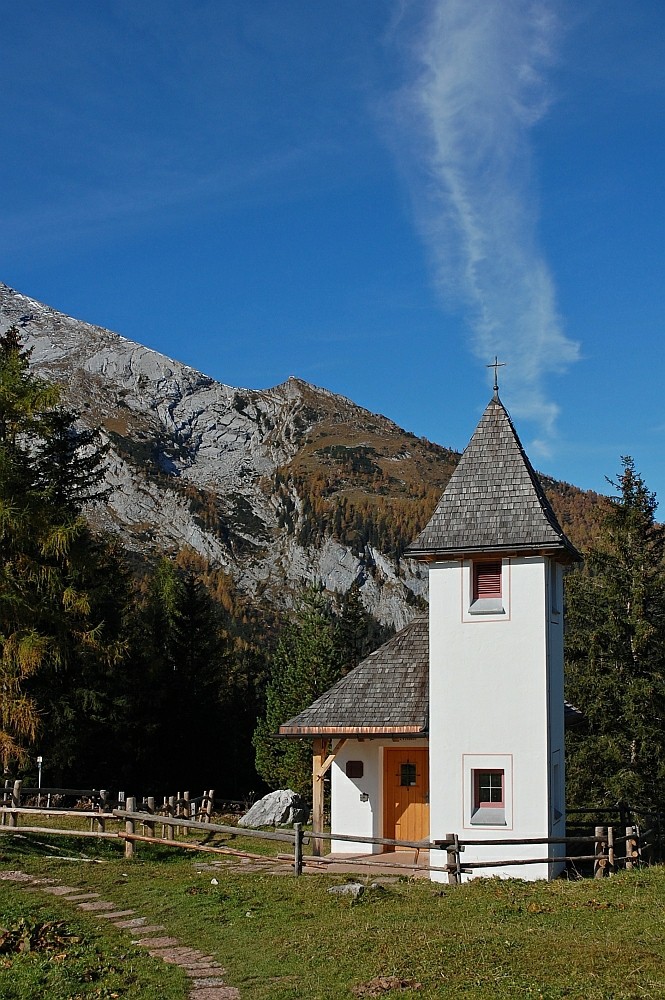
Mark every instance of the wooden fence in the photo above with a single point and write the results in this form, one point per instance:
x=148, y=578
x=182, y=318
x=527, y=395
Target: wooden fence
x=608, y=849
x=605, y=859
x=182, y=804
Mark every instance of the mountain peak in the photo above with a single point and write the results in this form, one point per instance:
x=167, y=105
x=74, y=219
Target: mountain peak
x=274, y=487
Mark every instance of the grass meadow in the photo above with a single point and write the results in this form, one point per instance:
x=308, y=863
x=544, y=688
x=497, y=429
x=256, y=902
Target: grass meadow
x=284, y=938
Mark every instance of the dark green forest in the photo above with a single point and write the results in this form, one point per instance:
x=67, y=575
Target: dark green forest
x=160, y=675
x=148, y=677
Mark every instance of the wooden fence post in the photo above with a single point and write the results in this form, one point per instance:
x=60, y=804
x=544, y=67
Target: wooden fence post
x=16, y=803
x=452, y=859
x=610, y=850
x=600, y=863
x=103, y=797
x=632, y=847
x=170, y=835
x=297, y=848
x=5, y=801
x=186, y=811
x=210, y=804
x=130, y=806
x=149, y=825
x=6, y=798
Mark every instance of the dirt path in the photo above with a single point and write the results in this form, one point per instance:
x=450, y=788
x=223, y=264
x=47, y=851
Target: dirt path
x=206, y=974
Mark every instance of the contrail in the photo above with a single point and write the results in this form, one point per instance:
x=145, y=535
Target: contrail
x=478, y=86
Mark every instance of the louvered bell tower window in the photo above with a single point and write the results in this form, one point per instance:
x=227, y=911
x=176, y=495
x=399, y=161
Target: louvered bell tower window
x=486, y=580
x=487, y=595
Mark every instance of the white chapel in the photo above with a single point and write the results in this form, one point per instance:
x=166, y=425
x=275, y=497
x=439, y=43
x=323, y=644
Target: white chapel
x=456, y=725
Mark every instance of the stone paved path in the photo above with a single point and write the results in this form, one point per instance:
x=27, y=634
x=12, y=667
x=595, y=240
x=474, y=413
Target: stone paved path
x=206, y=974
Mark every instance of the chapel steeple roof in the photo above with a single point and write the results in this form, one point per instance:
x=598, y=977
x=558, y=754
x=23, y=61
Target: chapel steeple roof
x=494, y=501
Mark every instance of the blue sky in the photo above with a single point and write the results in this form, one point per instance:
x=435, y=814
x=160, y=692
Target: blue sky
x=377, y=196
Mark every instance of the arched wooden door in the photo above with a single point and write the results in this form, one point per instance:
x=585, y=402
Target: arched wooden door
x=406, y=793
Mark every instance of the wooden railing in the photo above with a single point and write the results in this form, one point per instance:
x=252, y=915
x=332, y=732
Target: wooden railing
x=177, y=818
x=605, y=856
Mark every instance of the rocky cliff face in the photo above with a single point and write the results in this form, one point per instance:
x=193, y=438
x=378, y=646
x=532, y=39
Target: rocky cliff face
x=194, y=462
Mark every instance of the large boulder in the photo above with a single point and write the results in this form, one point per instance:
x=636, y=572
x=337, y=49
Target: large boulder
x=281, y=808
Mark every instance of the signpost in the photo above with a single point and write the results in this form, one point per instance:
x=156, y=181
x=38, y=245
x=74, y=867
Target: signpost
x=40, y=761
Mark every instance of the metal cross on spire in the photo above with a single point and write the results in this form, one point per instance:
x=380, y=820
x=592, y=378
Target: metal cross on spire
x=496, y=364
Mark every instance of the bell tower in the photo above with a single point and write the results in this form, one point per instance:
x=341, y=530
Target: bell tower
x=496, y=554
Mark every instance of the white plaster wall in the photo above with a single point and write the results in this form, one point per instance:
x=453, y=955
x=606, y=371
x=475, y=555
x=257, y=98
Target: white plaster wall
x=349, y=814
x=491, y=692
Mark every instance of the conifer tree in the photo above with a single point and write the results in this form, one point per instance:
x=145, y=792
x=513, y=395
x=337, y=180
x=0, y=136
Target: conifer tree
x=356, y=632
x=48, y=469
x=83, y=696
x=615, y=655
x=305, y=665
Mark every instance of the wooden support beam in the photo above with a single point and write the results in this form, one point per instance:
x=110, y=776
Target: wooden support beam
x=329, y=758
x=318, y=757
x=322, y=758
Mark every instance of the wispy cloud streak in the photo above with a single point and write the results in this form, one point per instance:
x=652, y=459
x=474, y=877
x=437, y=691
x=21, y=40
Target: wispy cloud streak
x=479, y=85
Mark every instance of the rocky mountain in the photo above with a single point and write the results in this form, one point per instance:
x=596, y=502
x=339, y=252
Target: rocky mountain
x=272, y=487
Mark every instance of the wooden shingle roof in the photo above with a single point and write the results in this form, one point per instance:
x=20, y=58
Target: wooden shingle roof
x=494, y=501
x=386, y=694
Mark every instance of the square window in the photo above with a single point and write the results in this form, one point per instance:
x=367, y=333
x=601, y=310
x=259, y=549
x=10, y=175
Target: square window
x=488, y=789
x=488, y=797
x=407, y=774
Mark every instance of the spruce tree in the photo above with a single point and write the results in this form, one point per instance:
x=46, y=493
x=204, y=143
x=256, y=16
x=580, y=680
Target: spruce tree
x=357, y=632
x=615, y=655
x=305, y=665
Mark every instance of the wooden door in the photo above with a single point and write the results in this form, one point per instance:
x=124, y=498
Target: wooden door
x=406, y=794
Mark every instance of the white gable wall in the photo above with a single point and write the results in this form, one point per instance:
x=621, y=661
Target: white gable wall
x=351, y=815
x=496, y=701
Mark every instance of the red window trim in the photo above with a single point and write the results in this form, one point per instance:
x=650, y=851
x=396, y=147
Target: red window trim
x=486, y=580
x=482, y=804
